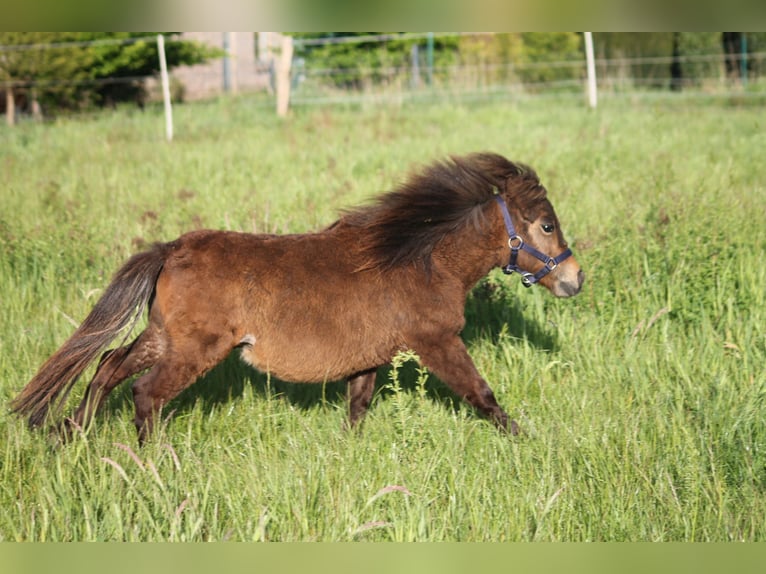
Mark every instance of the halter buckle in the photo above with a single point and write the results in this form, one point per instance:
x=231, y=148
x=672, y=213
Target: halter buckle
x=551, y=264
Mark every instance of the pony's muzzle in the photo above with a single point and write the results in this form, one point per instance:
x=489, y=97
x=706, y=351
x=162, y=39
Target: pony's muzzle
x=566, y=287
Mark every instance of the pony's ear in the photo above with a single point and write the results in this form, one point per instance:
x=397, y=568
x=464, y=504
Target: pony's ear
x=509, y=192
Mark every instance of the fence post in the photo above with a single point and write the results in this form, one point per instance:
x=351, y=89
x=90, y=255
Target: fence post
x=165, y=87
x=591, y=65
x=10, y=105
x=233, y=64
x=283, y=76
x=226, y=62
x=430, y=58
x=415, y=57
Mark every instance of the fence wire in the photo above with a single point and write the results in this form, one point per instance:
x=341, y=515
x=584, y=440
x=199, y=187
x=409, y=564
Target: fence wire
x=416, y=78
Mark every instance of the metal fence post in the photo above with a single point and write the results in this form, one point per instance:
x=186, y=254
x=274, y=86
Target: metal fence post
x=165, y=87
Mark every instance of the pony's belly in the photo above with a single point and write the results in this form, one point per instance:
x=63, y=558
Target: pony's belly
x=297, y=364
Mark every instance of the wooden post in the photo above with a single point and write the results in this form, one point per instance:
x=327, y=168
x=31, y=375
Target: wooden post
x=283, y=76
x=165, y=87
x=37, y=112
x=591, y=64
x=10, y=105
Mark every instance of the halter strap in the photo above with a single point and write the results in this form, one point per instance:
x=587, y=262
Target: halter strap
x=516, y=243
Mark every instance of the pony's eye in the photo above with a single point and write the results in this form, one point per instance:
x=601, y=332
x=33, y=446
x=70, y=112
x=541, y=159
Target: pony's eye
x=548, y=227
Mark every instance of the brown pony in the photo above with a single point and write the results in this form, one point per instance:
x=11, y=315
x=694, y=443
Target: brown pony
x=335, y=304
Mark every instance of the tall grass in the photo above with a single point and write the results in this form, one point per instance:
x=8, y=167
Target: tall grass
x=642, y=399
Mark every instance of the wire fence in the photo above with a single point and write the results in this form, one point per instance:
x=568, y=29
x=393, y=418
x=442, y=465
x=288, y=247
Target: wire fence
x=70, y=45
x=393, y=68
x=315, y=87
x=477, y=72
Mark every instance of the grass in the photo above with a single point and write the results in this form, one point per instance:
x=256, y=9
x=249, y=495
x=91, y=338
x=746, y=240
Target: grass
x=642, y=399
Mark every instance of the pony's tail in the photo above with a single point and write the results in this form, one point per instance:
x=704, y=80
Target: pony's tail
x=123, y=302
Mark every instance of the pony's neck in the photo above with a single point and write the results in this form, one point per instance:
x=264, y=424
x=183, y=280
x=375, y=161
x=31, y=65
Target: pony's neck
x=470, y=254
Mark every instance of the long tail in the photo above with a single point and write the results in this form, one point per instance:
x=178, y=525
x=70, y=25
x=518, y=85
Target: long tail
x=123, y=302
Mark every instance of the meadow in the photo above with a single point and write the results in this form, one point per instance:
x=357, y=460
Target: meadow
x=642, y=399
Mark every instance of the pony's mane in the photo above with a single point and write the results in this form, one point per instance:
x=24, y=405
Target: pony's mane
x=404, y=225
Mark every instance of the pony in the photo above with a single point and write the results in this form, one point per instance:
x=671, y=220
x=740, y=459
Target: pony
x=336, y=304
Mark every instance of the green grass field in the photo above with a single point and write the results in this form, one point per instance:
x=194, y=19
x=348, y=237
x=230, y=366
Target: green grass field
x=643, y=398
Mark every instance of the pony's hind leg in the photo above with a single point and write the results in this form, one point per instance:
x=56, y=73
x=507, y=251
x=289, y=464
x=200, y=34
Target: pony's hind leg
x=360, y=389
x=115, y=366
x=176, y=370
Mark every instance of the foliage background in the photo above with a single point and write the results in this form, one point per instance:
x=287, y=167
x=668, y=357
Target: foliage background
x=69, y=71
x=57, y=76
x=538, y=59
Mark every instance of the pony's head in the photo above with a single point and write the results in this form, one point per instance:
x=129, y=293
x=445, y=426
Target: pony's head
x=535, y=246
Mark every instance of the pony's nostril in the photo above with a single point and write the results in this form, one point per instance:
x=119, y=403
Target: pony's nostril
x=580, y=278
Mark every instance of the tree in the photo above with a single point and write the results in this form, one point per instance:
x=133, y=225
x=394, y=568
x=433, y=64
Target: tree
x=533, y=58
x=627, y=50
x=355, y=64
x=29, y=74
x=120, y=69
x=540, y=48
x=676, y=70
x=732, y=49
x=74, y=70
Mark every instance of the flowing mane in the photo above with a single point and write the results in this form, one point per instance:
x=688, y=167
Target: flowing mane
x=404, y=225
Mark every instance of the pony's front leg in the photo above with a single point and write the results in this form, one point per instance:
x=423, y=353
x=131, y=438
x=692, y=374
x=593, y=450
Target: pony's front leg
x=360, y=388
x=449, y=360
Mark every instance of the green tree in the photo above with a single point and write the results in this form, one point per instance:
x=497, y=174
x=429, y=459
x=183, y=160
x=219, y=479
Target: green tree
x=355, y=65
x=29, y=74
x=546, y=55
x=700, y=44
x=626, y=48
x=129, y=63
x=73, y=70
x=482, y=58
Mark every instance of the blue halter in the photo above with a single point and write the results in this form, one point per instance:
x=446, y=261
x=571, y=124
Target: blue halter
x=516, y=243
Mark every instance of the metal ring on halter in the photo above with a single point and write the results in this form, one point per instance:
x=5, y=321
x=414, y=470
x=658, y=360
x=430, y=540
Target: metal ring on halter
x=515, y=238
x=527, y=278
